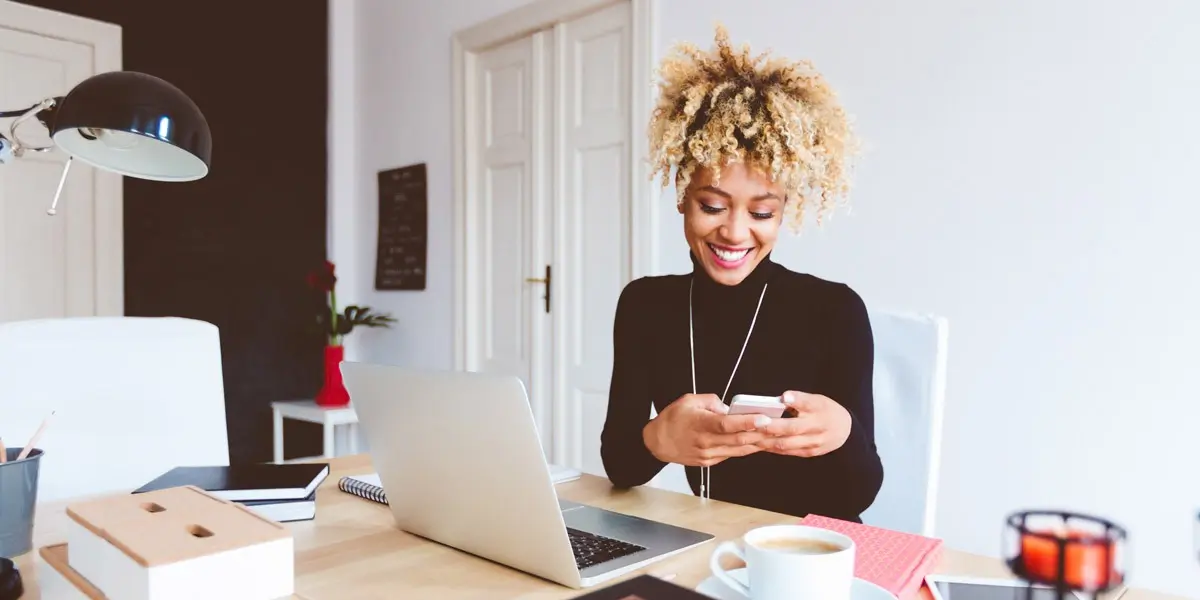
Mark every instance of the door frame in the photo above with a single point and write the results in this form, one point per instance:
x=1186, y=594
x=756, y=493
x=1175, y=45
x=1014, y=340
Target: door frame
x=107, y=188
x=466, y=45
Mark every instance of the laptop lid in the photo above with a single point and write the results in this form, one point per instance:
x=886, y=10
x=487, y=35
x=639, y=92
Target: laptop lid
x=462, y=464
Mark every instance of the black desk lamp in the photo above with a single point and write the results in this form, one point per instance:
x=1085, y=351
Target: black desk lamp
x=125, y=122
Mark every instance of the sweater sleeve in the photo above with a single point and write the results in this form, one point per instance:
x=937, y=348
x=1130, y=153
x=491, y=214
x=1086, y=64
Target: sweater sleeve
x=627, y=461
x=854, y=472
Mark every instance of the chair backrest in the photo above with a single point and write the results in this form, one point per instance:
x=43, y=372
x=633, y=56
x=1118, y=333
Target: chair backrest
x=132, y=398
x=909, y=387
x=672, y=478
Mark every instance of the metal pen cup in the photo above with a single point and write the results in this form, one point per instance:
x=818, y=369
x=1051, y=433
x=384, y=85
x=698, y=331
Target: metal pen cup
x=18, y=501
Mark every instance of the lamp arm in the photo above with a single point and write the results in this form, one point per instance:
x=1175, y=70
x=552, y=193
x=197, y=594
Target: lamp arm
x=12, y=146
x=43, y=111
x=7, y=114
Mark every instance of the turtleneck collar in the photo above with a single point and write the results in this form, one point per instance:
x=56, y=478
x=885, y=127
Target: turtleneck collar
x=753, y=282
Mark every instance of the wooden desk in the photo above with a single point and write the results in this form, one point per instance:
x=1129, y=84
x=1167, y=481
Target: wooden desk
x=352, y=549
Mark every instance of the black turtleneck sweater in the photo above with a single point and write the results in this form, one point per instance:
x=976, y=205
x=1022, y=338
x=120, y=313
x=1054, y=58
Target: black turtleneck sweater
x=812, y=335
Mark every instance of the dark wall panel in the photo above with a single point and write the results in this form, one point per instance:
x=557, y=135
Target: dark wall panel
x=233, y=248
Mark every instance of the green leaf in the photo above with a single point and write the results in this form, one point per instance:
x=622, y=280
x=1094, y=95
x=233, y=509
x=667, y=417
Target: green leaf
x=361, y=316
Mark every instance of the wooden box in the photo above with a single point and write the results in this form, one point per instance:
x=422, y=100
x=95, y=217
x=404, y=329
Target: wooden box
x=179, y=543
x=60, y=582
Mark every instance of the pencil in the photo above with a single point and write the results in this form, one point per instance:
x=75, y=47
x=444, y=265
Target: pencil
x=34, y=440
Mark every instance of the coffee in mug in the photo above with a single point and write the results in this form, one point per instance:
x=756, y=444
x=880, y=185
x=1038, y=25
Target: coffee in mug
x=791, y=562
x=798, y=545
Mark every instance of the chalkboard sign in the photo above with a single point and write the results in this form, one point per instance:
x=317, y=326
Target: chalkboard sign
x=403, y=229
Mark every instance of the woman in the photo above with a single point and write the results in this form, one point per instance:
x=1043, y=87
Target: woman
x=749, y=140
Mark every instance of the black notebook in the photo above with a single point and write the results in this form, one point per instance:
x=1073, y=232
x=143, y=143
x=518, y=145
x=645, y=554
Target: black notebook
x=285, y=511
x=643, y=587
x=242, y=483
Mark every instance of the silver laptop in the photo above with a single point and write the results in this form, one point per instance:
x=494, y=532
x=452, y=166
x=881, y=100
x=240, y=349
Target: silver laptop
x=460, y=459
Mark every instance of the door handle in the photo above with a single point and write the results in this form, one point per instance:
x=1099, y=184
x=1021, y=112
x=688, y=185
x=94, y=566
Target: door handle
x=545, y=280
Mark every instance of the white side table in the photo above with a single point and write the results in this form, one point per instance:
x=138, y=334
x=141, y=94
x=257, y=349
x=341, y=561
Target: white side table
x=327, y=418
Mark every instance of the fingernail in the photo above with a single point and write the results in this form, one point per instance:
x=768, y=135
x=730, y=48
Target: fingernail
x=762, y=421
x=788, y=399
x=724, y=409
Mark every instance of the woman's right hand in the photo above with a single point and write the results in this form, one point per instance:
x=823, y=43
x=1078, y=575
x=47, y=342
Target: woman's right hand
x=697, y=431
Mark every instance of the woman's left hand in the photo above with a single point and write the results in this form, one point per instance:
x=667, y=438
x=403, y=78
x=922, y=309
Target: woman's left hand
x=818, y=427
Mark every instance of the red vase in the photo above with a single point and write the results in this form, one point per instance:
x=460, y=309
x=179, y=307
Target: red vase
x=333, y=393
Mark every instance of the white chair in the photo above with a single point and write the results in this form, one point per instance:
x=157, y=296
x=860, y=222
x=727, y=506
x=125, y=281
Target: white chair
x=672, y=478
x=133, y=397
x=909, y=386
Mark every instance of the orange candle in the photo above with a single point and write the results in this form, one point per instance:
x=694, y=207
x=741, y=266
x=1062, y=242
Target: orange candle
x=1089, y=558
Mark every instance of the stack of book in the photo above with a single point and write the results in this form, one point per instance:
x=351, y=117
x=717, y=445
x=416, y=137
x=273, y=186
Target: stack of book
x=280, y=492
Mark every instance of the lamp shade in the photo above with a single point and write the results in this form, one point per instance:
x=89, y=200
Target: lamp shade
x=136, y=125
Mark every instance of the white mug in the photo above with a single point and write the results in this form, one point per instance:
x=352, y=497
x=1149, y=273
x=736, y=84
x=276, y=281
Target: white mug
x=791, y=562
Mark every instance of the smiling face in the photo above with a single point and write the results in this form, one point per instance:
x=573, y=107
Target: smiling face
x=732, y=225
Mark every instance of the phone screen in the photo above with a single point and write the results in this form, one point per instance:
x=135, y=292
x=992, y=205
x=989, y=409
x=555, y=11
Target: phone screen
x=985, y=591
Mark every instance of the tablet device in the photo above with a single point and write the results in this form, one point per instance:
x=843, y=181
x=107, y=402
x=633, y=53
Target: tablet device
x=949, y=587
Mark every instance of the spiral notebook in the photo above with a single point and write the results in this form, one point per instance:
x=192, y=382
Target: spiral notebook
x=368, y=486
x=364, y=486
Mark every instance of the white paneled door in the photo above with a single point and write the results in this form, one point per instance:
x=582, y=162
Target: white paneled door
x=592, y=221
x=505, y=173
x=69, y=264
x=548, y=158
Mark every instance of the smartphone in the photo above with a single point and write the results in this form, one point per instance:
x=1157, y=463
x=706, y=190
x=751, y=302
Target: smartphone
x=746, y=404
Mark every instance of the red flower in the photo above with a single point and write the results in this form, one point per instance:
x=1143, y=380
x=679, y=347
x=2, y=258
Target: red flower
x=323, y=278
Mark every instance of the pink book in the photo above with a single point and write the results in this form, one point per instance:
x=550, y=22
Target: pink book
x=895, y=561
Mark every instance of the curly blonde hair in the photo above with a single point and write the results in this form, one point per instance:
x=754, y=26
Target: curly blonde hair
x=777, y=116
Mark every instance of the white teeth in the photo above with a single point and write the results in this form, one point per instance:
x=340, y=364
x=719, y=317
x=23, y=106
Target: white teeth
x=729, y=256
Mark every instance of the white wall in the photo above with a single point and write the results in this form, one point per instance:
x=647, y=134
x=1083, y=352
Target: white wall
x=400, y=100
x=1028, y=175
x=347, y=187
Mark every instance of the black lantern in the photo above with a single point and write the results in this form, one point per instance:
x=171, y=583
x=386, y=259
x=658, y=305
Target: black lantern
x=11, y=586
x=126, y=122
x=1072, y=554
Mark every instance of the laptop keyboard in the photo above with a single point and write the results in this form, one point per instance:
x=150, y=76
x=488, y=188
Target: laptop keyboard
x=591, y=549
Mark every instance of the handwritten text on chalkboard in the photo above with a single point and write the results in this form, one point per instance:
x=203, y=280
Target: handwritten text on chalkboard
x=403, y=229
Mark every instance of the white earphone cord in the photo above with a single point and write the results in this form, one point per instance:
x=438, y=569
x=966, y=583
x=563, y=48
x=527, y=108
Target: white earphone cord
x=705, y=474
